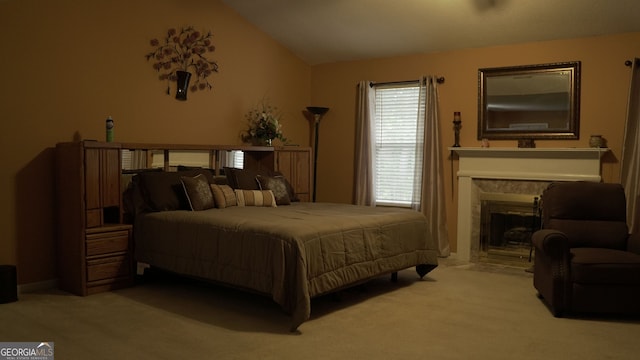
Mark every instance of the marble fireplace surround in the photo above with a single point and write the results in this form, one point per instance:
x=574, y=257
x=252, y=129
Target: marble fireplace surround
x=513, y=172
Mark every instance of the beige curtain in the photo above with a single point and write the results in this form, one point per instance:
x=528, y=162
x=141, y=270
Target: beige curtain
x=421, y=138
x=630, y=163
x=431, y=180
x=364, y=169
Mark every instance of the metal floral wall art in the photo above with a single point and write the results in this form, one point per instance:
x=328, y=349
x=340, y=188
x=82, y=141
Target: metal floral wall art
x=182, y=55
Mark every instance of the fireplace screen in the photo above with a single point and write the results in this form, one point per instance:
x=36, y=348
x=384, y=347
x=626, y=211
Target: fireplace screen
x=506, y=228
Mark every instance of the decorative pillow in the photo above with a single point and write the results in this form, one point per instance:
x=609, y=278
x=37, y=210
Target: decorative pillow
x=163, y=190
x=220, y=180
x=198, y=192
x=228, y=172
x=243, y=178
x=132, y=200
x=223, y=195
x=255, y=198
x=292, y=194
x=278, y=185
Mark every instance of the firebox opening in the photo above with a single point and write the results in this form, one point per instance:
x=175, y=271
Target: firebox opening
x=507, y=223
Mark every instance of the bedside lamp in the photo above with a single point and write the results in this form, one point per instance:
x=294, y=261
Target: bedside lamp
x=318, y=113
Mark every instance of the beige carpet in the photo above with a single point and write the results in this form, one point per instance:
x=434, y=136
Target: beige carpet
x=456, y=312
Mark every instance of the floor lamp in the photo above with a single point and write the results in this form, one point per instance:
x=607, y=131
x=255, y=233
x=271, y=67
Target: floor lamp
x=318, y=113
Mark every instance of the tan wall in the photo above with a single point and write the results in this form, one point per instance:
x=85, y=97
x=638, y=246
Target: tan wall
x=605, y=84
x=66, y=65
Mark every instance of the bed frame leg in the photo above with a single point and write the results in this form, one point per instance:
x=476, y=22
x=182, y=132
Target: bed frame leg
x=424, y=269
x=394, y=276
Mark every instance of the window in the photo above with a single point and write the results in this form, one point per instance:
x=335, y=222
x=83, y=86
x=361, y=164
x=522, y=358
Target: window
x=398, y=144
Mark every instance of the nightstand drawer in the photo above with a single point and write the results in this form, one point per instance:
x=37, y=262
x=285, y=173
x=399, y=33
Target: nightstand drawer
x=108, y=242
x=108, y=268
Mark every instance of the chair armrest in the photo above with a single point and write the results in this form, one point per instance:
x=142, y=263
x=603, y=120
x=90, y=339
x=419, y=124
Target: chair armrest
x=553, y=243
x=633, y=243
x=551, y=271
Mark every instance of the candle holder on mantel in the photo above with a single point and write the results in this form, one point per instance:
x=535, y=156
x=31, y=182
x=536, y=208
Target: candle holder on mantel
x=457, y=124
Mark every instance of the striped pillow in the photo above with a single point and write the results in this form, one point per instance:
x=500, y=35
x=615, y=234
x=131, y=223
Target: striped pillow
x=223, y=195
x=255, y=198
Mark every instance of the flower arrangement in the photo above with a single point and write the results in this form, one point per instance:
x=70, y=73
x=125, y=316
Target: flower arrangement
x=263, y=125
x=183, y=51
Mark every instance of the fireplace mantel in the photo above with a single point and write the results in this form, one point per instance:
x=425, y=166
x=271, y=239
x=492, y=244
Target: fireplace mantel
x=556, y=164
x=530, y=164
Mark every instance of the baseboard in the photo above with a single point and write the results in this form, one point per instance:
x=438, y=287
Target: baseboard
x=37, y=286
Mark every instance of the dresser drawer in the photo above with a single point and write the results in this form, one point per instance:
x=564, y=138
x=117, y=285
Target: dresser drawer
x=108, y=268
x=107, y=242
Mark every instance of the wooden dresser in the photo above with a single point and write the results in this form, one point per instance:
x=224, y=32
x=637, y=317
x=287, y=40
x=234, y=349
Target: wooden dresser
x=94, y=247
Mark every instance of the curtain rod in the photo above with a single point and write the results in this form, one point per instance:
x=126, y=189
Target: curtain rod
x=439, y=80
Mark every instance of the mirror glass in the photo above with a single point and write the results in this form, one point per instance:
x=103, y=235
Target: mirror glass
x=533, y=102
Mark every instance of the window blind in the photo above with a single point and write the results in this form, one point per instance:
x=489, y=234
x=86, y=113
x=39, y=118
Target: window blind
x=396, y=123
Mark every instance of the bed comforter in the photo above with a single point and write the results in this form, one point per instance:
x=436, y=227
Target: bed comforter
x=291, y=253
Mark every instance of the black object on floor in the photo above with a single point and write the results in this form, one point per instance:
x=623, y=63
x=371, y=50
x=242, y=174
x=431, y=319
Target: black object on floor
x=8, y=284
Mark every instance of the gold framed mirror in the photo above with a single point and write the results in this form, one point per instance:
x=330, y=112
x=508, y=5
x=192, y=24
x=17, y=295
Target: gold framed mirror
x=531, y=101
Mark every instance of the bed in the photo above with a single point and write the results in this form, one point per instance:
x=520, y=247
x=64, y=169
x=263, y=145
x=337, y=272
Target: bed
x=290, y=253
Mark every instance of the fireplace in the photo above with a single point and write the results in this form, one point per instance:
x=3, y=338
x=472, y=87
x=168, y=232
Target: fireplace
x=517, y=173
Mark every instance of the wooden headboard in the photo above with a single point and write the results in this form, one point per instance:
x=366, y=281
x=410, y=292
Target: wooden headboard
x=254, y=155
x=294, y=162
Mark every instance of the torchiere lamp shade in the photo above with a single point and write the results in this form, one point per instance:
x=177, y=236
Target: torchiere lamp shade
x=317, y=110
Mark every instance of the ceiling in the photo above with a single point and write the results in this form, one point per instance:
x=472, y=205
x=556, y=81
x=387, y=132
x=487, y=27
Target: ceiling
x=325, y=31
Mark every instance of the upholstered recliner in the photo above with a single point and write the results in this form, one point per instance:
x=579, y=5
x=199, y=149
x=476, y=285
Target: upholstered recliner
x=585, y=259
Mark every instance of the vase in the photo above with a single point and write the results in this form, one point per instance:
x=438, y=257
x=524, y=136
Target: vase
x=596, y=141
x=261, y=142
x=182, y=84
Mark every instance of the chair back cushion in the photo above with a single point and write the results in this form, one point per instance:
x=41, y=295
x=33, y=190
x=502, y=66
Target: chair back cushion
x=590, y=214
